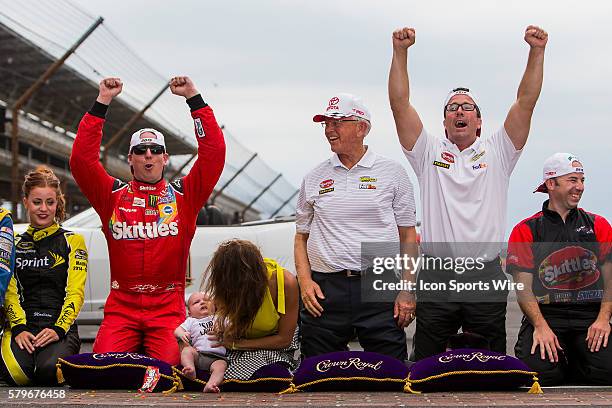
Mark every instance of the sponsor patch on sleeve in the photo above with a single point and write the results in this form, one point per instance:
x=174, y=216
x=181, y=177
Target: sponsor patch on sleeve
x=80, y=254
x=198, y=127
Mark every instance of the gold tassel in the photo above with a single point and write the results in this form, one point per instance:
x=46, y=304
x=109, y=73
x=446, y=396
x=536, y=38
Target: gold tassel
x=292, y=389
x=59, y=374
x=181, y=387
x=173, y=389
x=408, y=388
x=535, y=388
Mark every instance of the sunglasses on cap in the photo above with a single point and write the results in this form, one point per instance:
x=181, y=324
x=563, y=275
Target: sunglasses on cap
x=139, y=150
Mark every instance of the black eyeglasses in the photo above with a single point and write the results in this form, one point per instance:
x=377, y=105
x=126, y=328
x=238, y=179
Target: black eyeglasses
x=139, y=150
x=466, y=106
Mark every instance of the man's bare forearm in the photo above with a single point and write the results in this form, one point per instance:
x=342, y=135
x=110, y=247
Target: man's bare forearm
x=527, y=300
x=531, y=83
x=605, y=309
x=409, y=248
x=399, y=84
x=300, y=252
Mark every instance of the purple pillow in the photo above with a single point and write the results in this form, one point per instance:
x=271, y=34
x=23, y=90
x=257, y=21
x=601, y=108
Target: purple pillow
x=270, y=378
x=349, y=371
x=470, y=370
x=126, y=371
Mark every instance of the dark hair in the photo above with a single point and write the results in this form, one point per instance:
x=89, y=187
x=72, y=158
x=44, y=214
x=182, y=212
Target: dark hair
x=237, y=279
x=43, y=176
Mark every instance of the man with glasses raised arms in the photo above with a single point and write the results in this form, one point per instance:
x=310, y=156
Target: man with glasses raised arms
x=354, y=197
x=464, y=187
x=148, y=223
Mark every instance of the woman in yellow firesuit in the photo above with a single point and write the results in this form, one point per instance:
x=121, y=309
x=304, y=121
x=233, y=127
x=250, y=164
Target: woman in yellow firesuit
x=46, y=291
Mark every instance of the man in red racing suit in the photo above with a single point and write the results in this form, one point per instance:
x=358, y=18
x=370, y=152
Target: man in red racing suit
x=148, y=223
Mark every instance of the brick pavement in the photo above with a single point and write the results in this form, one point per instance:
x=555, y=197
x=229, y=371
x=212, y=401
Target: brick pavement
x=601, y=396
x=564, y=396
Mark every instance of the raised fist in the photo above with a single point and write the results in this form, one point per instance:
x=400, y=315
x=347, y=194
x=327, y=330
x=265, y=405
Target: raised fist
x=109, y=88
x=183, y=86
x=403, y=38
x=536, y=37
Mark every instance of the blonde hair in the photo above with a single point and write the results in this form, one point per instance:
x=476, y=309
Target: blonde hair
x=42, y=176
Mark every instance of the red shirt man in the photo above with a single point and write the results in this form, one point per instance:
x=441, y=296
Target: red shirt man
x=148, y=223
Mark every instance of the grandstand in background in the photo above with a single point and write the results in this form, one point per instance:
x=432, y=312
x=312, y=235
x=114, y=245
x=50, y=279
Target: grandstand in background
x=52, y=57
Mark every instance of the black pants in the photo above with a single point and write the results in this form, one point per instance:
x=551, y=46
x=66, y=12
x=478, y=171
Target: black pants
x=577, y=364
x=344, y=315
x=437, y=321
x=22, y=368
x=440, y=314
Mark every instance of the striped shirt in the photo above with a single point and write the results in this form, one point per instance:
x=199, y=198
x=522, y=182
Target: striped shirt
x=340, y=208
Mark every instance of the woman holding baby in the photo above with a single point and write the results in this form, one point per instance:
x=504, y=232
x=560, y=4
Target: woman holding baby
x=256, y=309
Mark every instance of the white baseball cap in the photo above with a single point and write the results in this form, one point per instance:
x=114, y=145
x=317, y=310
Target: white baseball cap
x=344, y=105
x=459, y=91
x=153, y=137
x=559, y=164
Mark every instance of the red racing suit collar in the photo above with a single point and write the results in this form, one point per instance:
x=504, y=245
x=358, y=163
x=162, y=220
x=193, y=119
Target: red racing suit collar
x=147, y=188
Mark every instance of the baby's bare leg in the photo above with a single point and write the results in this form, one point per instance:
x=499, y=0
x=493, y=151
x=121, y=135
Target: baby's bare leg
x=188, y=359
x=217, y=370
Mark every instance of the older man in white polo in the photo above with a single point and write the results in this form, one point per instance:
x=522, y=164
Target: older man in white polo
x=356, y=196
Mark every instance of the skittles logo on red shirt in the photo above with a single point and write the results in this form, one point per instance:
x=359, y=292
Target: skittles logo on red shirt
x=569, y=268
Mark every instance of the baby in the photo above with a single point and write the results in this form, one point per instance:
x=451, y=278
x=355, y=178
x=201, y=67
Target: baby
x=197, y=350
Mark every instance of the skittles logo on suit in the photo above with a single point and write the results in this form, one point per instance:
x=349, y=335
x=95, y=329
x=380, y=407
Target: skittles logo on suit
x=570, y=268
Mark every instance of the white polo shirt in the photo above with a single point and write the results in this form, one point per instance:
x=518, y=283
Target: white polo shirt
x=463, y=194
x=341, y=208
